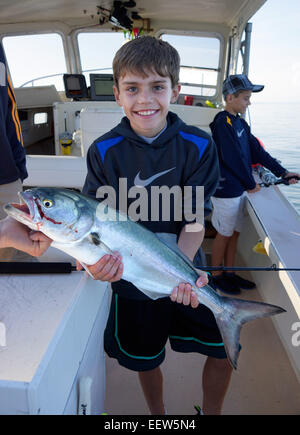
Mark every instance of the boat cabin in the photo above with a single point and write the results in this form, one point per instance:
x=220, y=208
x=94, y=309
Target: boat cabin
x=59, y=55
x=60, y=59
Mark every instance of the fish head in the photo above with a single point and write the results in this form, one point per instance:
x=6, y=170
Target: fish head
x=63, y=215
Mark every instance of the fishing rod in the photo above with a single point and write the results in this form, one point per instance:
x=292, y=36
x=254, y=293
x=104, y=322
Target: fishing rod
x=28, y=268
x=272, y=268
x=280, y=181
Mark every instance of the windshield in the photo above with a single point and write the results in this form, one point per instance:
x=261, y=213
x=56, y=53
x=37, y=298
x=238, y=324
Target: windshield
x=199, y=63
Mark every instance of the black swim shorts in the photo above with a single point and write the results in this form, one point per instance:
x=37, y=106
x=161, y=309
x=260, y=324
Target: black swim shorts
x=137, y=331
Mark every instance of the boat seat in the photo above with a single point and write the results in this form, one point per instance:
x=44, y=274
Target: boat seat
x=198, y=116
x=37, y=96
x=95, y=121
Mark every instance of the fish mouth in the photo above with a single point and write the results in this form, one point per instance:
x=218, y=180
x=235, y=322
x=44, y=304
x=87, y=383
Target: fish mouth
x=26, y=210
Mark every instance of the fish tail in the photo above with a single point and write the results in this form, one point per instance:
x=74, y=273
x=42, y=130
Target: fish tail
x=235, y=314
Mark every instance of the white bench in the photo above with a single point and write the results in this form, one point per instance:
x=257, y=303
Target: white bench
x=95, y=121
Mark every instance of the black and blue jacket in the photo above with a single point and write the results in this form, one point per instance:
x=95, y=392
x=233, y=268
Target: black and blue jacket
x=13, y=160
x=238, y=149
x=181, y=156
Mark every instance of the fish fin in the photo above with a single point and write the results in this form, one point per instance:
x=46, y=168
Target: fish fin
x=151, y=294
x=95, y=239
x=231, y=319
x=86, y=269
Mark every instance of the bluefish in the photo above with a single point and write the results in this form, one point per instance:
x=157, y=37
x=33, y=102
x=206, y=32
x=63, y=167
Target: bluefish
x=87, y=230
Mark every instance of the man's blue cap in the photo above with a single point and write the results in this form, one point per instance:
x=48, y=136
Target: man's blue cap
x=239, y=82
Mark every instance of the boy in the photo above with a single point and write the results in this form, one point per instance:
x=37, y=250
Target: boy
x=153, y=147
x=238, y=149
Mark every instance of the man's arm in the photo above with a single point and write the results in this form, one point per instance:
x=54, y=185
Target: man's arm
x=14, y=132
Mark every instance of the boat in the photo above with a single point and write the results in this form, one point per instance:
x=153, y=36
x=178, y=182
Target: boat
x=51, y=324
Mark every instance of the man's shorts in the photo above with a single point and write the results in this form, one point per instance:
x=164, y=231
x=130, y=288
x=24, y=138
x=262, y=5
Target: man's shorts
x=137, y=331
x=228, y=214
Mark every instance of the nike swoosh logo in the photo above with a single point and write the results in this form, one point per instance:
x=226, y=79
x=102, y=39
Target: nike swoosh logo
x=239, y=133
x=143, y=183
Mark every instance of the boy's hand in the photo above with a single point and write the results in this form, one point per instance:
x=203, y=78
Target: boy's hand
x=109, y=268
x=256, y=189
x=292, y=180
x=183, y=293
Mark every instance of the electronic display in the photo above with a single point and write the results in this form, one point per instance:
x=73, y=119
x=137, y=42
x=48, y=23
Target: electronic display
x=75, y=86
x=102, y=87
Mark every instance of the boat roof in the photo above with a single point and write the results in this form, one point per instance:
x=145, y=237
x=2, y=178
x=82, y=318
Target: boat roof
x=83, y=12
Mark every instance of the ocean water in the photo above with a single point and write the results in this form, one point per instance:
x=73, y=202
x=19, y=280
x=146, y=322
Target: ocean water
x=277, y=125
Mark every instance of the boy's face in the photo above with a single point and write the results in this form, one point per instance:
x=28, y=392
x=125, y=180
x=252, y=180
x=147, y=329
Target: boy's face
x=146, y=101
x=235, y=105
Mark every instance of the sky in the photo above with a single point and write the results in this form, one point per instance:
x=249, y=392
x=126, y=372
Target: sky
x=275, y=51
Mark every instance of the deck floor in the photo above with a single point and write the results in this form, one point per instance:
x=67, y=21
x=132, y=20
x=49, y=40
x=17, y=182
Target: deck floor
x=264, y=382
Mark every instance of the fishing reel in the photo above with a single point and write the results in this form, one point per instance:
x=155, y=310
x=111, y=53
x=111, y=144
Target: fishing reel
x=270, y=182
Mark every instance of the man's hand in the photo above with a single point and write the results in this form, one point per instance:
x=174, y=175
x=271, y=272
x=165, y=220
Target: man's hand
x=108, y=268
x=183, y=293
x=15, y=235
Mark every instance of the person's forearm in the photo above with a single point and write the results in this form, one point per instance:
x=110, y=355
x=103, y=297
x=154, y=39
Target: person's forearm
x=190, y=241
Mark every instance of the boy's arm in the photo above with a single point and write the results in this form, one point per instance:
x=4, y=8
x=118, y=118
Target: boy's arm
x=201, y=171
x=259, y=155
x=204, y=172
x=190, y=240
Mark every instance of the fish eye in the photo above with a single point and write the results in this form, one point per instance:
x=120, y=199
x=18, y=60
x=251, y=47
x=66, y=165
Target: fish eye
x=47, y=203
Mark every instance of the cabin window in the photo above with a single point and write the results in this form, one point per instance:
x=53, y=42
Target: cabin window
x=200, y=57
x=36, y=60
x=97, y=50
x=40, y=118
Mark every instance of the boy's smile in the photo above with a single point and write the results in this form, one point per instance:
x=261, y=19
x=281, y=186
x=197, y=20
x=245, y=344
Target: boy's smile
x=146, y=101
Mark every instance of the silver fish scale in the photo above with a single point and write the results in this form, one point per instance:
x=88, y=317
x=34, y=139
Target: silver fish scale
x=149, y=264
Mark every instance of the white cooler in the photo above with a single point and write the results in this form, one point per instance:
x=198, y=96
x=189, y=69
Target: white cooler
x=51, y=342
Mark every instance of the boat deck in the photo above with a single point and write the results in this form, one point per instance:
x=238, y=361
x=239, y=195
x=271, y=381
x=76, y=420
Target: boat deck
x=264, y=382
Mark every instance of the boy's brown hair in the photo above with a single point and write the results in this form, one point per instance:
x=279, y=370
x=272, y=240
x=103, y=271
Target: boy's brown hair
x=144, y=54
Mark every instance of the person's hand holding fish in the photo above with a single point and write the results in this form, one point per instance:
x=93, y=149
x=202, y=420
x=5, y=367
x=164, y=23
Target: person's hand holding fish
x=110, y=268
x=16, y=235
x=184, y=293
